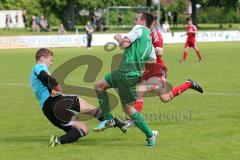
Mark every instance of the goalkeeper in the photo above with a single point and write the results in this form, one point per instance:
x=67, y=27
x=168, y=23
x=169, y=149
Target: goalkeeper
x=60, y=109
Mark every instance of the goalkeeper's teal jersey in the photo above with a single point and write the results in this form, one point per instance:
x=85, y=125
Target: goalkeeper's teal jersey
x=41, y=92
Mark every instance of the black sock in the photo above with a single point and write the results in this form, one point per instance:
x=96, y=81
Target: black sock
x=118, y=123
x=99, y=115
x=73, y=135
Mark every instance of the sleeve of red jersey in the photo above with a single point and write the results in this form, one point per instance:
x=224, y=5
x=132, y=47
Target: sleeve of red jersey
x=157, y=40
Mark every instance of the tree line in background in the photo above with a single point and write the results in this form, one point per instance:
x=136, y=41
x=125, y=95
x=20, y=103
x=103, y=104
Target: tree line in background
x=211, y=11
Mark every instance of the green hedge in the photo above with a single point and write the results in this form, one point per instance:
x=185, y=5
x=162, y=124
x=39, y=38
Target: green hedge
x=218, y=15
x=128, y=17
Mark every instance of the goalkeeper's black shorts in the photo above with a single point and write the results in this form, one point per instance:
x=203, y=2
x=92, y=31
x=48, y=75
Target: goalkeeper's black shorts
x=61, y=110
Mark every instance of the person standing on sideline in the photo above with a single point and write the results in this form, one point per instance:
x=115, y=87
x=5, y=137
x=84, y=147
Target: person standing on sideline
x=120, y=19
x=89, y=30
x=175, y=19
x=24, y=18
x=8, y=22
x=61, y=29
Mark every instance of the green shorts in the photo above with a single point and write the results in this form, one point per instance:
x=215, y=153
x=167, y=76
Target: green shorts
x=125, y=85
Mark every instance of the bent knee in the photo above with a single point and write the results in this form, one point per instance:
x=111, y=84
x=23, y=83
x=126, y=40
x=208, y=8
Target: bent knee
x=82, y=126
x=165, y=98
x=84, y=129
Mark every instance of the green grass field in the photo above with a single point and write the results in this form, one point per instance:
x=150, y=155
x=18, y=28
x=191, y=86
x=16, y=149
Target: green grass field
x=213, y=133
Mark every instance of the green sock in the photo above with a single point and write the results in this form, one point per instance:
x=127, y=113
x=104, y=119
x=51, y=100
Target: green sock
x=103, y=100
x=141, y=124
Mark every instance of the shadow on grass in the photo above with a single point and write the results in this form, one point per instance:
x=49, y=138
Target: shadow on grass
x=86, y=141
x=111, y=142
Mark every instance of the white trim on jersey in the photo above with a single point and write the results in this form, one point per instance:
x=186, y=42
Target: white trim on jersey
x=135, y=33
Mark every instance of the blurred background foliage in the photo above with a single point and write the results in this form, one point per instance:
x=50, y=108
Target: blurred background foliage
x=211, y=11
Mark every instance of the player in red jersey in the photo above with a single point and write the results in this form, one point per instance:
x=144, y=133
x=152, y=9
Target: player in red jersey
x=154, y=78
x=191, y=41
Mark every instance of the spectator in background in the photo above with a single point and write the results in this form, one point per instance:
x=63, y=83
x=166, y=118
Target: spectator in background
x=158, y=27
x=93, y=18
x=166, y=27
x=8, y=22
x=169, y=17
x=46, y=22
x=89, y=31
x=43, y=24
x=99, y=24
x=24, y=18
x=37, y=19
x=175, y=19
x=104, y=25
x=61, y=29
x=34, y=25
x=16, y=19
x=98, y=16
x=120, y=19
x=163, y=16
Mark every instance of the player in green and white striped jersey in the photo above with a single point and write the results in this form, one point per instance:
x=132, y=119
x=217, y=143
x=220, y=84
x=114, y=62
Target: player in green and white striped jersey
x=138, y=50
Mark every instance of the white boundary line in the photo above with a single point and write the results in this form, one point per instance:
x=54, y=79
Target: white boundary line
x=217, y=93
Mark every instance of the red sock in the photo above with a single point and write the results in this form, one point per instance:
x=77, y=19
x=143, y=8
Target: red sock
x=139, y=105
x=199, y=55
x=184, y=55
x=180, y=89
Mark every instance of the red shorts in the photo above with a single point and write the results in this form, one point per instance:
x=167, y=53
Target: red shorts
x=156, y=70
x=190, y=44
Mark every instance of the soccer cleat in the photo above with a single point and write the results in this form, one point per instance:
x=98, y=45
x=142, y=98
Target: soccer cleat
x=130, y=123
x=124, y=129
x=123, y=126
x=104, y=125
x=195, y=86
x=54, y=141
x=151, y=142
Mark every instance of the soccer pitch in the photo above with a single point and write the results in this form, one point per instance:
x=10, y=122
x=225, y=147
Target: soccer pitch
x=192, y=126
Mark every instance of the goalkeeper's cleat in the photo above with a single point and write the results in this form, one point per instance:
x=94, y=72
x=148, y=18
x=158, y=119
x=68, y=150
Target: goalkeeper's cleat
x=110, y=123
x=151, y=142
x=104, y=125
x=195, y=86
x=54, y=141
